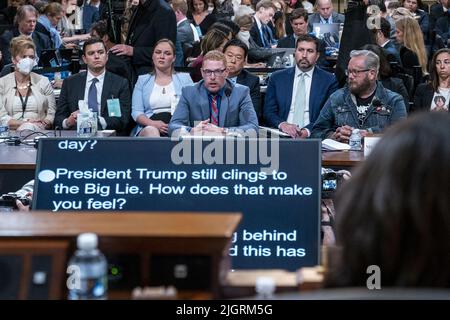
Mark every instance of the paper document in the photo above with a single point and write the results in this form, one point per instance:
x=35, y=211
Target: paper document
x=329, y=144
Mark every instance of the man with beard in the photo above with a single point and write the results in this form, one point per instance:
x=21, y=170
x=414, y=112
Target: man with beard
x=363, y=104
x=295, y=96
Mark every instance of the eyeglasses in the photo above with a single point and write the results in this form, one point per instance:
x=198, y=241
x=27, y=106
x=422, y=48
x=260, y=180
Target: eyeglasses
x=216, y=73
x=355, y=73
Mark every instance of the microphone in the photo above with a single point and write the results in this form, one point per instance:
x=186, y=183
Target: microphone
x=228, y=90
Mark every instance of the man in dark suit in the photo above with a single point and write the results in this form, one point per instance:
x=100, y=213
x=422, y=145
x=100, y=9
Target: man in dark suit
x=119, y=65
x=295, y=96
x=152, y=20
x=381, y=37
x=299, y=22
x=260, y=33
x=105, y=93
x=236, y=54
x=325, y=14
x=25, y=24
x=185, y=33
x=214, y=105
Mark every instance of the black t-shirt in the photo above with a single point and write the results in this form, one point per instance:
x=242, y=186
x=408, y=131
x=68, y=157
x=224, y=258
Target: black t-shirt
x=362, y=106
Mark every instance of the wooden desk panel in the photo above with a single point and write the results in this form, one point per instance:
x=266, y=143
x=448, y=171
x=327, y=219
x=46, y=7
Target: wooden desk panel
x=342, y=158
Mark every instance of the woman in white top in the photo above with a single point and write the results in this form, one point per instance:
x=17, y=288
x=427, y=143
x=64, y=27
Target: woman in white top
x=27, y=99
x=156, y=95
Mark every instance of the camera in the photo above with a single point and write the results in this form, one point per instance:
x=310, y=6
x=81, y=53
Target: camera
x=9, y=200
x=330, y=182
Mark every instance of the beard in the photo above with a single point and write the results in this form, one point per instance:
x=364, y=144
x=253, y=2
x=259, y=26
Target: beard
x=356, y=89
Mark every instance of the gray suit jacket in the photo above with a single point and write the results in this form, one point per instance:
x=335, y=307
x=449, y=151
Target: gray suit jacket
x=315, y=18
x=185, y=34
x=236, y=111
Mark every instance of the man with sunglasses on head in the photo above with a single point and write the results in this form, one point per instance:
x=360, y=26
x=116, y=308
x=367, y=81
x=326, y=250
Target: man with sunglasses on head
x=214, y=105
x=362, y=104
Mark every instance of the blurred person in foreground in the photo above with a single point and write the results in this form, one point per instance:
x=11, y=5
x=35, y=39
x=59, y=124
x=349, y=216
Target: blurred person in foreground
x=394, y=213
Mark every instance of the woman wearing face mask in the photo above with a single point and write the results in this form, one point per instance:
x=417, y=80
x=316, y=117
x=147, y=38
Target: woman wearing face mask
x=156, y=95
x=27, y=99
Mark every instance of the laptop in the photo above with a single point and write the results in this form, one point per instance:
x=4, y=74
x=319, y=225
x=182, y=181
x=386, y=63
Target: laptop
x=55, y=57
x=329, y=34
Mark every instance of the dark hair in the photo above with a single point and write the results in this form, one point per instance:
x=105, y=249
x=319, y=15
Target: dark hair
x=222, y=27
x=234, y=27
x=101, y=28
x=439, y=98
x=385, y=70
x=394, y=211
x=298, y=13
x=434, y=78
x=92, y=41
x=307, y=38
x=237, y=43
x=385, y=27
x=191, y=9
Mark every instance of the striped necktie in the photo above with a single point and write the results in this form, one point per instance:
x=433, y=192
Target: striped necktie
x=214, y=111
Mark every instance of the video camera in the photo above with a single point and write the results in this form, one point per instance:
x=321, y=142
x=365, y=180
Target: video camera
x=331, y=180
x=9, y=200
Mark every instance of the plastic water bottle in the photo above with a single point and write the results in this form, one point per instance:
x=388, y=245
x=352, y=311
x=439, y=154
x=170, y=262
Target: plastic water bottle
x=278, y=63
x=265, y=288
x=84, y=125
x=4, y=128
x=355, y=140
x=286, y=62
x=90, y=265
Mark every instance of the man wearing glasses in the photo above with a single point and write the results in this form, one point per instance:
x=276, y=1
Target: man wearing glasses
x=215, y=105
x=363, y=103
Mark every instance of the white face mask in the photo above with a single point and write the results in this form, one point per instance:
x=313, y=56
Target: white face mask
x=25, y=65
x=244, y=35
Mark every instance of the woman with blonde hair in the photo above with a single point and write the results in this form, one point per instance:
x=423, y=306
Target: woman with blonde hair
x=156, y=94
x=27, y=98
x=412, y=51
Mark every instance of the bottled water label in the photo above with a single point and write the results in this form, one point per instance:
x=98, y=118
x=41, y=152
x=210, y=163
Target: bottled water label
x=355, y=140
x=90, y=289
x=4, y=131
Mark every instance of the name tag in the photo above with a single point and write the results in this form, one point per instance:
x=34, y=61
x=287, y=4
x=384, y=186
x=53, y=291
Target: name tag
x=113, y=108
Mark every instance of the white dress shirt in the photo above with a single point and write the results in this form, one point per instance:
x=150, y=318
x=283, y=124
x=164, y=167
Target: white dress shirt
x=308, y=80
x=99, y=86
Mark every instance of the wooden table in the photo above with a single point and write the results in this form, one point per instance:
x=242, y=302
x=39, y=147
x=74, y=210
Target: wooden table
x=342, y=159
x=17, y=163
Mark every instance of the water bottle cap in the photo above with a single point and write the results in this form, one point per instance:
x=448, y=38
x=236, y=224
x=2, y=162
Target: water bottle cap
x=87, y=241
x=355, y=131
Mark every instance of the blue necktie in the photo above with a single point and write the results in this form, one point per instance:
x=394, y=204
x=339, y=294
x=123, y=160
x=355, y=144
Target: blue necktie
x=92, y=96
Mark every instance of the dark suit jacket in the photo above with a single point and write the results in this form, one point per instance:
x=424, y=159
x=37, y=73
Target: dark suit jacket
x=279, y=95
x=152, y=21
x=91, y=15
x=113, y=87
x=315, y=18
x=40, y=40
x=252, y=82
x=422, y=98
x=256, y=35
